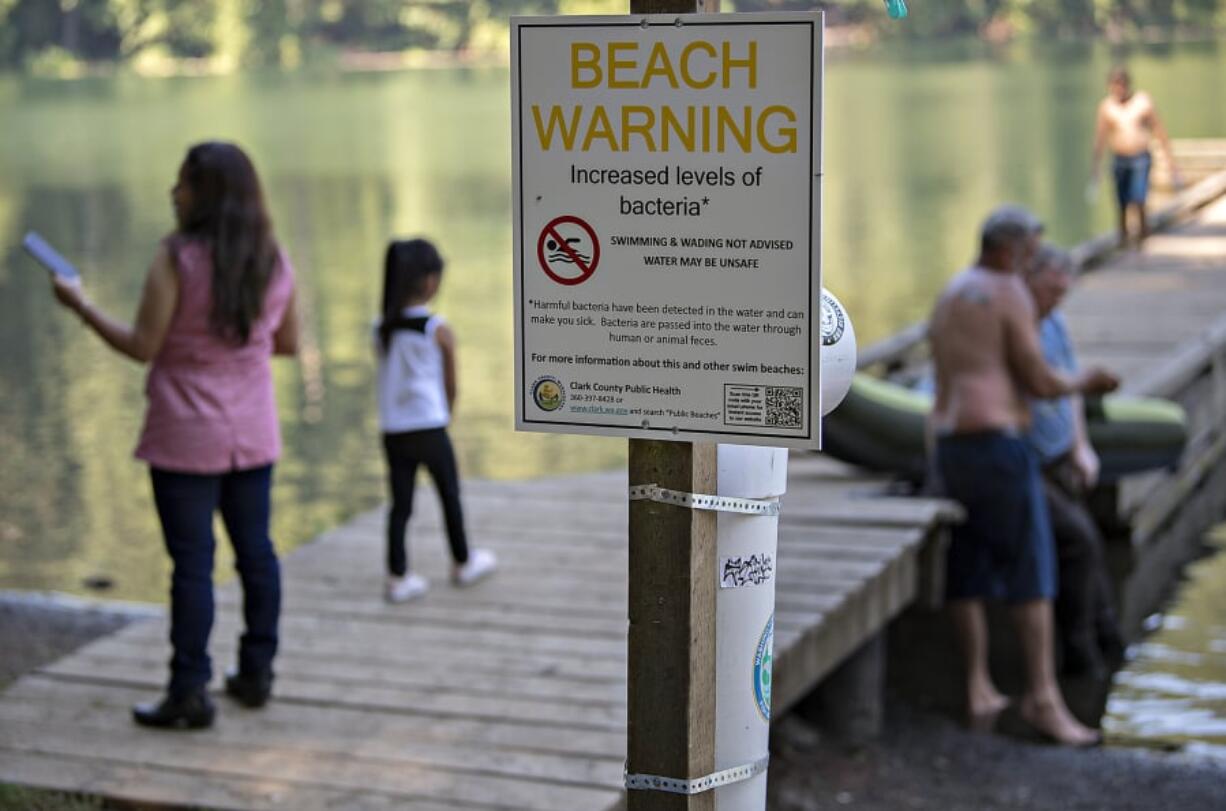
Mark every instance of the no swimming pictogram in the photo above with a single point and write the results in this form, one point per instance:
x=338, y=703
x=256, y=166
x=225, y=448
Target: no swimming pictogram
x=568, y=250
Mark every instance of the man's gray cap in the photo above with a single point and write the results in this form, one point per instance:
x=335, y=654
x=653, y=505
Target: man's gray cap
x=1008, y=226
x=1012, y=217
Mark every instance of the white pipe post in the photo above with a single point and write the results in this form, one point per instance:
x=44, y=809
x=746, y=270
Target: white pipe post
x=746, y=549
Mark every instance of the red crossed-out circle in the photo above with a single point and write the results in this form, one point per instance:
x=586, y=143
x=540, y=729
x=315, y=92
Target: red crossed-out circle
x=550, y=232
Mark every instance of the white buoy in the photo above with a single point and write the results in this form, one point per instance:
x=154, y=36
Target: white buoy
x=838, y=352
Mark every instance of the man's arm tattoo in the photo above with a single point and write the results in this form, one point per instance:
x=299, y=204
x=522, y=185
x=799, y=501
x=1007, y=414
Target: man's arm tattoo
x=976, y=296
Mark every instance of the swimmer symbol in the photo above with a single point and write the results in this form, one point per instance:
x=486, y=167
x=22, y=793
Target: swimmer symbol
x=568, y=250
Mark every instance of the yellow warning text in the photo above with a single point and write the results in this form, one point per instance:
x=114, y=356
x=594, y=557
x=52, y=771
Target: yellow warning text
x=713, y=68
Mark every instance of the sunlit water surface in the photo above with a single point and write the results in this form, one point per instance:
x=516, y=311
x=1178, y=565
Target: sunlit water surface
x=920, y=141
x=1173, y=693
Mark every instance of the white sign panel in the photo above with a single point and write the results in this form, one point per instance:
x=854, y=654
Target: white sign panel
x=667, y=217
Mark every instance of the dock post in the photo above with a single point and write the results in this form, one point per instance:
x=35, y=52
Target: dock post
x=850, y=703
x=671, y=693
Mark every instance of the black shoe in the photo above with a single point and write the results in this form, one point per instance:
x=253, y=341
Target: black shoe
x=190, y=711
x=249, y=689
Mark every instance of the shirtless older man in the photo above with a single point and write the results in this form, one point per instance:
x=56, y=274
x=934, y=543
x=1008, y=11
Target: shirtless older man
x=988, y=365
x=1127, y=121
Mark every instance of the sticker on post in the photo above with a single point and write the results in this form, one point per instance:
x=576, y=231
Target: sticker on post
x=739, y=571
x=762, y=661
x=834, y=323
x=769, y=406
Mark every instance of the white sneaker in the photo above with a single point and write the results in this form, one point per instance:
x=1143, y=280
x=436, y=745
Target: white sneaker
x=481, y=564
x=404, y=589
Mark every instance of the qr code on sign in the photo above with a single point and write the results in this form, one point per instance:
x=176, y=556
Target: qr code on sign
x=785, y=406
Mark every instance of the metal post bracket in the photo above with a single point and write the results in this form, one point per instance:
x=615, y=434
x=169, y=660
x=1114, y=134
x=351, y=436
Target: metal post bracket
x=697, y=785
x=698, y=501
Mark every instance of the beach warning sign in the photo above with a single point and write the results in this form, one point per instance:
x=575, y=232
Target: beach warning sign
x=667, y=199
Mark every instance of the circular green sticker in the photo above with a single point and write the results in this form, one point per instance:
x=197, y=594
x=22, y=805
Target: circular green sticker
x=762, y=661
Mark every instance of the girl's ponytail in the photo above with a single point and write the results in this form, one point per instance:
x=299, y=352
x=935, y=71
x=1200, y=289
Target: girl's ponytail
x=406, y=266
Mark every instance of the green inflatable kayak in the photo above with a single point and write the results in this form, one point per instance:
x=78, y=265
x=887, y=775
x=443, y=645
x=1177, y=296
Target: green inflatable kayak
x=880, y=426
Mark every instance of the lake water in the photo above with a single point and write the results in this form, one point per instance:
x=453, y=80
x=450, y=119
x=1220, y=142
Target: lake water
x=920, y=141
x=1173, y=693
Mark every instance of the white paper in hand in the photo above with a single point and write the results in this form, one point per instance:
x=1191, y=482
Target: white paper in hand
x=1091, y=192
x=49, y=257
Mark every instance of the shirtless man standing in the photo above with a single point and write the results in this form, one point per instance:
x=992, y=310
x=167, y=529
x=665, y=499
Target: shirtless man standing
x=985, y=348
x=1127, y=121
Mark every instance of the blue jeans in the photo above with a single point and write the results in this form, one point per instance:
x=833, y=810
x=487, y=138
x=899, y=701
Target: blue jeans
x=186, y=503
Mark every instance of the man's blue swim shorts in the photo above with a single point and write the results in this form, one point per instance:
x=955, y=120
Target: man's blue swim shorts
x=1005, y=549
x=1131, y=178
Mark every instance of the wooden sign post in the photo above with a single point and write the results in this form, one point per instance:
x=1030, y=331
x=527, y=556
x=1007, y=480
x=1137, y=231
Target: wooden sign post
x=671, y=694
x=671, y=699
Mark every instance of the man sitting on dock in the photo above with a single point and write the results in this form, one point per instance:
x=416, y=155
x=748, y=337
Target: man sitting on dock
x=1085, y=615
x=988, y=364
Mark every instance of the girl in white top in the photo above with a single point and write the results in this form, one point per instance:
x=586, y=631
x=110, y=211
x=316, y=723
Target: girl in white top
x=417, y=390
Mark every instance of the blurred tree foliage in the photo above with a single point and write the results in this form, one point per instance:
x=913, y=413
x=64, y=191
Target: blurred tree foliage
x=282, y=31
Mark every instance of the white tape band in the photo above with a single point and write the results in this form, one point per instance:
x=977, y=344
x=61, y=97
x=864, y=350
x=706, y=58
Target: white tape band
x=696, y=501
x=652, y=782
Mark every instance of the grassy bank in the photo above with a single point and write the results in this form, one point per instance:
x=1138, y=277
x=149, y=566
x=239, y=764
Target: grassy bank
x=16, y=798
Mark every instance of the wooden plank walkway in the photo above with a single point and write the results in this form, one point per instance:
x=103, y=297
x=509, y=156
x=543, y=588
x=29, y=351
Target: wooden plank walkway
x=1137, y=315
x=1158, y=318
x=507, y=695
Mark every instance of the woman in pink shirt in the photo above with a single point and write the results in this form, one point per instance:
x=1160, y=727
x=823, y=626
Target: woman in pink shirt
x=217, y=304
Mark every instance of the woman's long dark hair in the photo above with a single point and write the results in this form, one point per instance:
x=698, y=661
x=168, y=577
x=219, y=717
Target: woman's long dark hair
x=227, y=209
x=406, y=266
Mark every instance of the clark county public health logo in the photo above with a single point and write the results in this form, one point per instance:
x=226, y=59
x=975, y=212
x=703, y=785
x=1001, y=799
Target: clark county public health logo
x=548, y=394
x=762, y=661
x=833, y=321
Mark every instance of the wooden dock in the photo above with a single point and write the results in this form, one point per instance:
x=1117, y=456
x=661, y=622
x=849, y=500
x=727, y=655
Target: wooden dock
x=1159, y=318
x=509, y=695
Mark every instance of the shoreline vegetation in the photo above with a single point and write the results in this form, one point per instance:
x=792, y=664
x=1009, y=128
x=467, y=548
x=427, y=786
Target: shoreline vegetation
x=58, y=65
x=162, y=38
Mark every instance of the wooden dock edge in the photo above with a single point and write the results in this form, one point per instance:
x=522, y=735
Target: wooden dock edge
x=1169, y=520
x=1193, y=503
x=822, y=648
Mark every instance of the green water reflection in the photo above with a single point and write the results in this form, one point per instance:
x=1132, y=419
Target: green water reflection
x=919, y=143
x=1173, y=693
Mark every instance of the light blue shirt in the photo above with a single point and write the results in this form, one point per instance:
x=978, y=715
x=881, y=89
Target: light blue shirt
x=1052, y=422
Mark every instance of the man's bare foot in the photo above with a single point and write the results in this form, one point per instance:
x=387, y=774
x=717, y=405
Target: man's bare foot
x=983, y=707
x=1053, y=721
